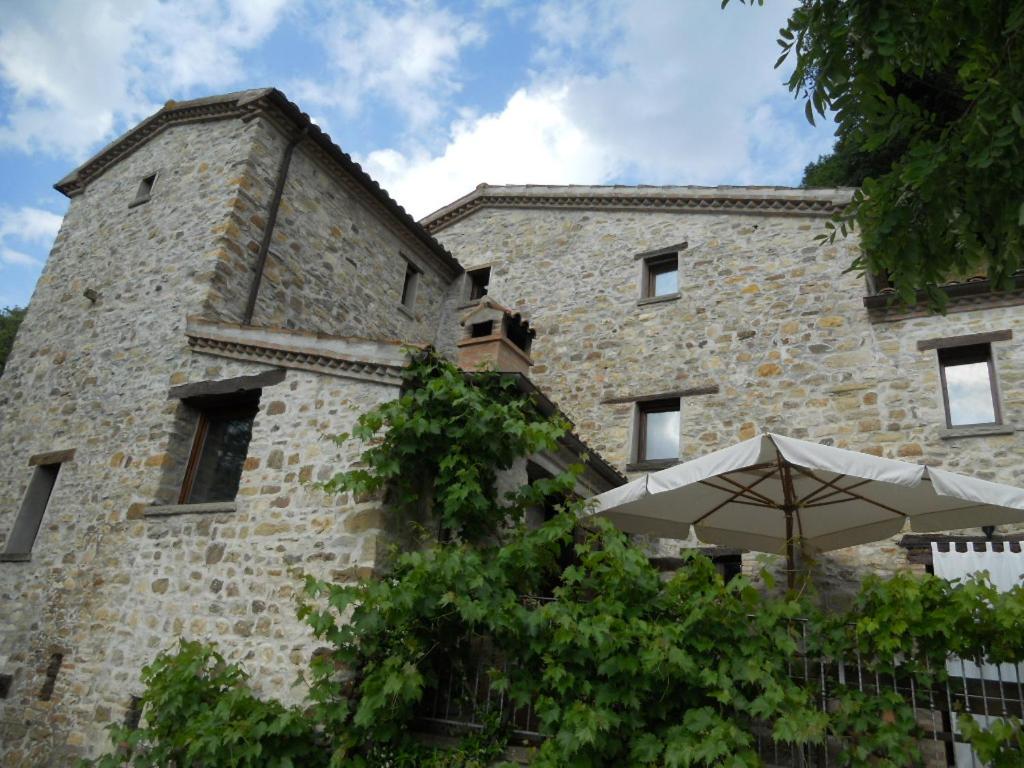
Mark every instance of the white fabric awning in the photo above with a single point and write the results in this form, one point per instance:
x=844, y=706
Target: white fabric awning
x=836, y=498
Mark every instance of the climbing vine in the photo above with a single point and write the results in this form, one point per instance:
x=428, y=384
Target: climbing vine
x=619, y=665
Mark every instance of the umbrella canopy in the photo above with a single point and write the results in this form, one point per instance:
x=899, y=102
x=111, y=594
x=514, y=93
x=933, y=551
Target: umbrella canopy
x=767, y=492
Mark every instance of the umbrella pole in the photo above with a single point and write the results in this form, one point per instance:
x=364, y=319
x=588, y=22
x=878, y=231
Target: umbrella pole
x=789, y=507
x=790, y=550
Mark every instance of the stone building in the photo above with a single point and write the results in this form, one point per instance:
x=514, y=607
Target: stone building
x=228, y=287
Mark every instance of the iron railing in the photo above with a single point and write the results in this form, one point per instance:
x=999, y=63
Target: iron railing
x=466, y=699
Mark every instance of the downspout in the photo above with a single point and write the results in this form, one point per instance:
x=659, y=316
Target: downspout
x=268, y=231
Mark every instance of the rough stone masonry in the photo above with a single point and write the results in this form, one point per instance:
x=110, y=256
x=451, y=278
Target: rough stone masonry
x=141, y=313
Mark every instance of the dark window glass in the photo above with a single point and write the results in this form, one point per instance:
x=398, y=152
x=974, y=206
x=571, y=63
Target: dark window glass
x=662, y=278
x=218, y=453
x=52, y=670
x=30, y=516
x=659, y=430
x=145, y=190
x=968, y=385
x=409, y=286
x=479, y=279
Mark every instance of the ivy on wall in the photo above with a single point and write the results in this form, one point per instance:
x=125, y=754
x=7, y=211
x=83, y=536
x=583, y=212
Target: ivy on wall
x=622, y=667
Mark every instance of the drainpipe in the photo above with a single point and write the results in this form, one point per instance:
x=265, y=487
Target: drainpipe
x=268, y=231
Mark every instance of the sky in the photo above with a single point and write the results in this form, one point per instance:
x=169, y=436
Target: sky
x=431, y=97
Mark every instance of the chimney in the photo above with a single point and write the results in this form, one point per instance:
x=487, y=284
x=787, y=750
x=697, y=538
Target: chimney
x=493, y=337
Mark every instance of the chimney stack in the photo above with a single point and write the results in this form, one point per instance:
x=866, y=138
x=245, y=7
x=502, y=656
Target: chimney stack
x=496, y=338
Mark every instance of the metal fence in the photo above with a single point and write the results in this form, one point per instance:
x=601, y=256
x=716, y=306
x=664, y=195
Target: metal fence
x=465, y=699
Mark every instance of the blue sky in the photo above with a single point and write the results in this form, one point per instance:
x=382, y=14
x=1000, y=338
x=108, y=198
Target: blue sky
x=431, y=97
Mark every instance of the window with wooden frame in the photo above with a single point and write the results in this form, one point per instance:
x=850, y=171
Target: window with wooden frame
x=657, y=430
x=661, y=275
x=219, y=448
x=969, y=391
x=479, y=280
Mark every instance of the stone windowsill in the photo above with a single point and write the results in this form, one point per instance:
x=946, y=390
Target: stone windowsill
x=984, y=430
x=658, y=299
x=15, y=557
x=651, y=466
x=467, y=305
x=405, y=311
x=166, y=510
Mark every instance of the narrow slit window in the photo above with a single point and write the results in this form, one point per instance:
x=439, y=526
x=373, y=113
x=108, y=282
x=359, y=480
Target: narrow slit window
x=969, y=389
x=30, y=516
x=409, y=286
x=661, y=275
x=6, y=681
x=145, y=190
x=134, y=713
x=219, y=448
x=479, y=280
x=658, y=430
x=52, y=670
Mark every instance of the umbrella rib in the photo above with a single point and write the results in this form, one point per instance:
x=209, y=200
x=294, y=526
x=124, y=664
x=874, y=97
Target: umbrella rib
x=735, y=496
x=830, y=483
x=818, y=494
x=747, y=489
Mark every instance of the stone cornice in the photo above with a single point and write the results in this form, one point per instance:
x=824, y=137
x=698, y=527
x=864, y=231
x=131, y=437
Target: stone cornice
x=753, y=200
x=350, y=358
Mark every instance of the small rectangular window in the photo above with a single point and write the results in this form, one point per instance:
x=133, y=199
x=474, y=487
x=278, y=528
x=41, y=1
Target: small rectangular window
x=52, y=670
x=969, y=389
x=409, y=286
x=145, y=190
x=219, y=448
x=134, y=713
x=6, y=681
x=658, y=430
x=661, y=275
x=479, y=279
x=30, y=516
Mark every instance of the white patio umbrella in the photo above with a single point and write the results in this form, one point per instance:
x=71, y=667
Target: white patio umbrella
x=767, y=493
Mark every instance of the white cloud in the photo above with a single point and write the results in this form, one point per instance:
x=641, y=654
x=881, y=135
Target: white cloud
x=650, y=91
x=405, y=54
x=17, y=258
x=26, y=227
x=532, y=140
x=29, y=225
x=76, y=72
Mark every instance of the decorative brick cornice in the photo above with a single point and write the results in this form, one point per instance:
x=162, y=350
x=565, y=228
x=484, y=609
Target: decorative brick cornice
x=755, y=200
x=378, y=362
x=241, y=105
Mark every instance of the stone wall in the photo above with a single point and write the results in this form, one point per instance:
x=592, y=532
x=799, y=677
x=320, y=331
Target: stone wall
x=337, y=261
x=765, y=313
x=108, y=586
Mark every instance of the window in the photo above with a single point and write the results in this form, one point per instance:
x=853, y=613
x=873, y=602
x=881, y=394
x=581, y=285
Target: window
x=658, y=430
x=479, y=279
x=409, y=286
x=145, y=190
x=52, y=670
x=5, y=685
x=30, y=516
x=661, y=275
x=969, y=385
x=219, y=448
x=134, y=713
